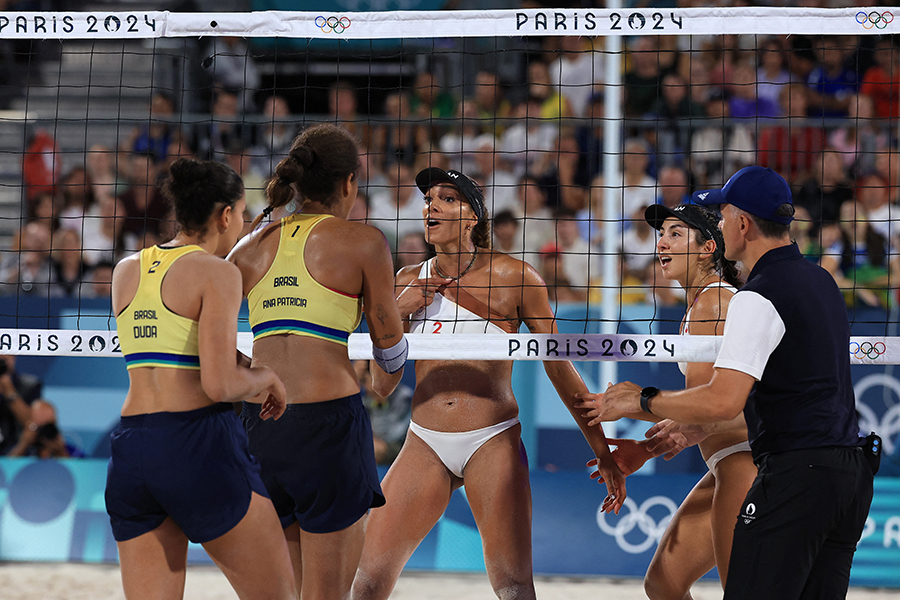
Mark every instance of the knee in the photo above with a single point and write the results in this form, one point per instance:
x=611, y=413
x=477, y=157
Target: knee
x=516, y=590
x=658, y=587
x=370, y=588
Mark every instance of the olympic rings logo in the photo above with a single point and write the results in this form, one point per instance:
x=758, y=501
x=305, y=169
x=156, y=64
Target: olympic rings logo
x=873, y=19
x=639, y=517
x=867, y=350
x=335, y=24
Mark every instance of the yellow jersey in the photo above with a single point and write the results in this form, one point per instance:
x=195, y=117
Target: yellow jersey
x=150, y=334
x=287, y=300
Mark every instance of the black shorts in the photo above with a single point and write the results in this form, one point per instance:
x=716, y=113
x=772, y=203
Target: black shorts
x=318, y=462
x=798, y=528
x=193, y=466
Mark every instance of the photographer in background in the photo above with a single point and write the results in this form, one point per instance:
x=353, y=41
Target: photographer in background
x=42, y=438
x=17, y=392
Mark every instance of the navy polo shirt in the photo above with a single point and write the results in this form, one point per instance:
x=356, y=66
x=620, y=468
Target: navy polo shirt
x=788, y=329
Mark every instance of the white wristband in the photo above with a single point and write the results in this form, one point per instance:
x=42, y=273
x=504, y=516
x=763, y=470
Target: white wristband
x=391, y=359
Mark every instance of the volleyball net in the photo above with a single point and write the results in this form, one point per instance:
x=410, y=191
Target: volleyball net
x=572, y=120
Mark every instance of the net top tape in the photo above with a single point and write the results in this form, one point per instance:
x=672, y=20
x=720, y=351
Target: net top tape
x=467, y=23
x=868, y=350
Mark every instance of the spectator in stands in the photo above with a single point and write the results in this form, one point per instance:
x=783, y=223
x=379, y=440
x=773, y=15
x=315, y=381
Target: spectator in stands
x=882, y=80
x=41, y=164
x=490, y=103
x=801, y=59
x=397, y=139
x=100, y=278
x=536, y=218
x=397, y=209
x=507, y=237
x=233, y=68
x=100, y=163
x=411, y=250
x=643, y=79
x=882, y=214
x=242, y=160
x=560, y=172
x=862, y=139
x=460, y=142
x=720, y=55
x=590, y=139
x=156, y=136
x=638, y=258
x=430, y=101
x=721, y=146
x=529, y=142
x=824, y=193
x=103, y=237
x=147, y=213
x=674, y=113
x=76, y=200
x=553, y=272
x=746, y=102
x=389, y=415
x=831, y=83
x=214, y=137
x=772, y=73
x=343, y=111
x=580, y=262
x=42, y=438
x=17, y=392
x=42, y=208
x=578, y=67
x=860, y=261
x=553, y=105
x=492, y=173
x=275, y=135
x=29, y=270
x=887, y=165
x=673, y=186
x=790, y=148
x=68, y=263
x=638, y=188
x=801, y=233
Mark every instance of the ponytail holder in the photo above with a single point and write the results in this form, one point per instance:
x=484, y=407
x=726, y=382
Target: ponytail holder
x=268, y=211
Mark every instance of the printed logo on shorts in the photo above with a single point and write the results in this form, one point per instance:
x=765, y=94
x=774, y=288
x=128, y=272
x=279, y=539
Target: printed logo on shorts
x=748, y=513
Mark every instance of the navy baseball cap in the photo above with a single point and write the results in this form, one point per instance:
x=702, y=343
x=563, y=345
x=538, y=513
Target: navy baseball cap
x=470, y=190
x=757, y=190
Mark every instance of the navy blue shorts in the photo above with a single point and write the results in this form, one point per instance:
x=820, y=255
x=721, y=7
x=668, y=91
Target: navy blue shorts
x=193, y=466
x=318, y=462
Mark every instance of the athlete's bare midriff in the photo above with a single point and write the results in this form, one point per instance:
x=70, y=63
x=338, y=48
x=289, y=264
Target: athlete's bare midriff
x=463, y=395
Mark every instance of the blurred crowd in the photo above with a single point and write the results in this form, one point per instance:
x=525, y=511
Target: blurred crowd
x=821, y=111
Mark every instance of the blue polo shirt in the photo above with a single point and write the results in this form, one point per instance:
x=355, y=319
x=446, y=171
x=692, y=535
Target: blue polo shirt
x=788, y=329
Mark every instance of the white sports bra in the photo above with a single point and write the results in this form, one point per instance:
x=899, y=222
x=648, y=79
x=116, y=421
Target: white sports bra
x=682, y=366
x=446, y=316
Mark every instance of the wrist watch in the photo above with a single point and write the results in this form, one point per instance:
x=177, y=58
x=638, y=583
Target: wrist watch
x=647, y=394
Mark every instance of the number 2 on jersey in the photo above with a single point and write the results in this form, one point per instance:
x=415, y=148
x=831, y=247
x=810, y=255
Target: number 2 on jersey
x=437, y=327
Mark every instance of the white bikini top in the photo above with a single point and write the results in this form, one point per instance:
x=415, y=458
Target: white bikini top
x=444, y=315
x=682, y=366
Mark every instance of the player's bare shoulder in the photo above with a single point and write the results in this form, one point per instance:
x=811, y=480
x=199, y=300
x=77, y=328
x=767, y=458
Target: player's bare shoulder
x=509, y=271
x=250, y=244
x=408, y=273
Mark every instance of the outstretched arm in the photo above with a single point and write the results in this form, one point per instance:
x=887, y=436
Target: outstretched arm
x=539, y=318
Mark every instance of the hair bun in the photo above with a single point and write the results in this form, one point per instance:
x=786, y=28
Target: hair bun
x=304, y=155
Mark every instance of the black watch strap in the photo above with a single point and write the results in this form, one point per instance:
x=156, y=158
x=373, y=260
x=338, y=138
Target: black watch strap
x=646, y=394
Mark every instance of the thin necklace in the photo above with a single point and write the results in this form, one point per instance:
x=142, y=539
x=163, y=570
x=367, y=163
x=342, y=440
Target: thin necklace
x=437, y=269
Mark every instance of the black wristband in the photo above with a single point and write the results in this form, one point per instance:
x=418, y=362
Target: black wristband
x=647, y=394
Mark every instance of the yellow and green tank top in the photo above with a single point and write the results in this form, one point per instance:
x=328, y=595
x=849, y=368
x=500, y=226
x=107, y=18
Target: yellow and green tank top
x=287, y=300
x=150, y=334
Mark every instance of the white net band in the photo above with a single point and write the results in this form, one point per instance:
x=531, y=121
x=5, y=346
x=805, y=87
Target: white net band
x=587, y=347
x=464, y=23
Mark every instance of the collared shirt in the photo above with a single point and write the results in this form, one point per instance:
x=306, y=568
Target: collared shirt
x=788, y=329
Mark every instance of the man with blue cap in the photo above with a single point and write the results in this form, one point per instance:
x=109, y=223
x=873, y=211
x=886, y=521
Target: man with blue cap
x=784, y=361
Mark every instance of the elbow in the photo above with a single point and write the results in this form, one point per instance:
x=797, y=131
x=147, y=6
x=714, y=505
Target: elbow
x=216, y=389
x=726, y=411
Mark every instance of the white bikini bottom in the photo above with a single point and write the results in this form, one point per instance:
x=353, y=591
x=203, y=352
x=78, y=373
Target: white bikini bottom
x=456, y=448
x=713, y=460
